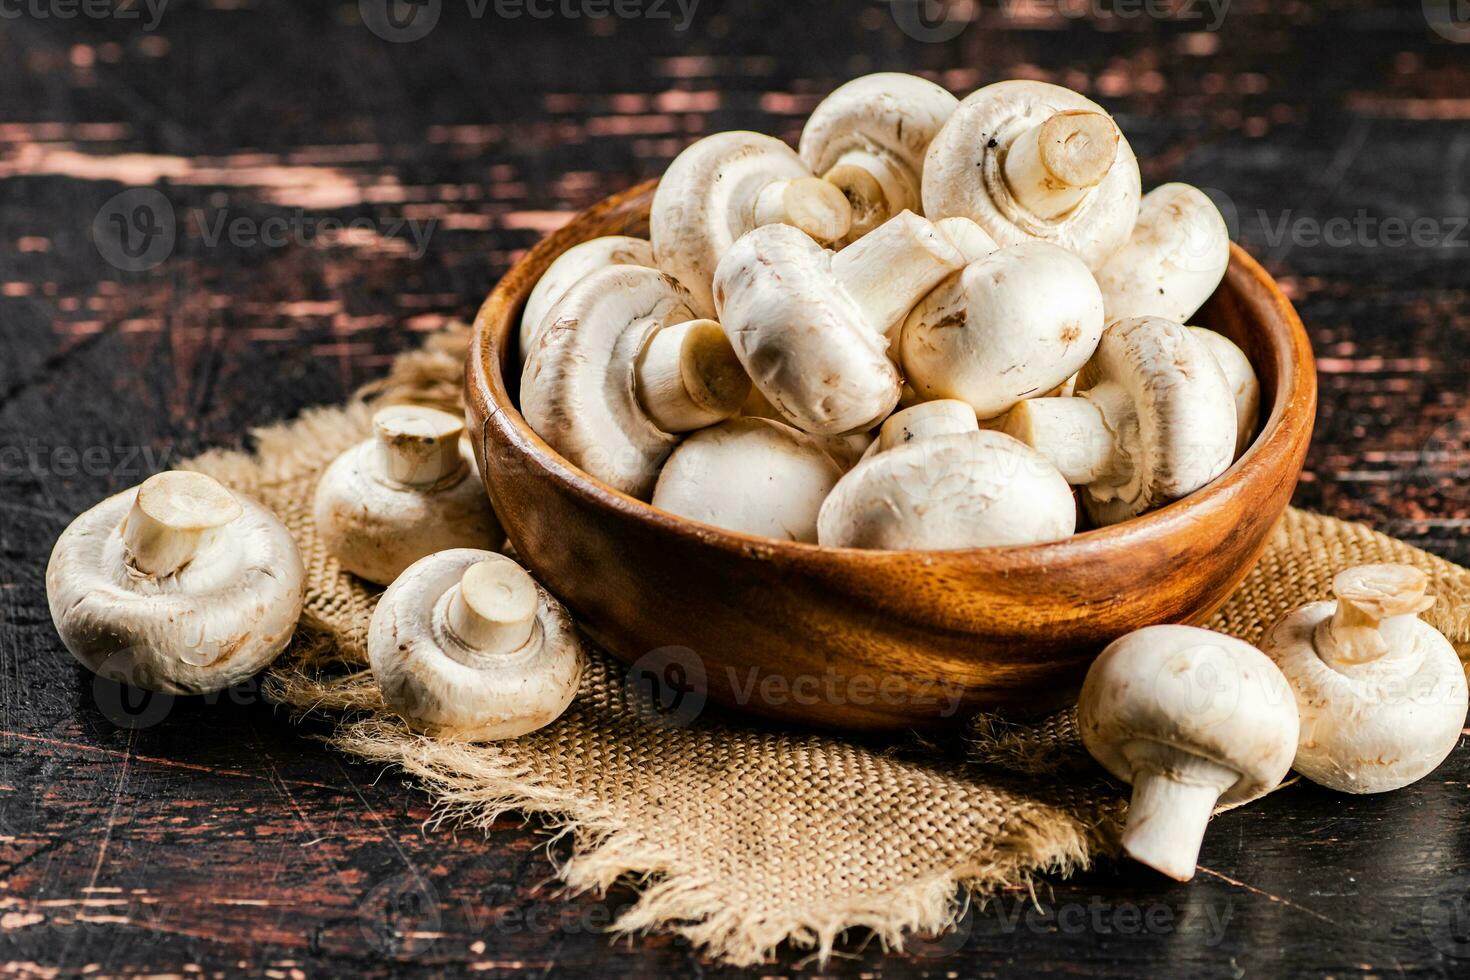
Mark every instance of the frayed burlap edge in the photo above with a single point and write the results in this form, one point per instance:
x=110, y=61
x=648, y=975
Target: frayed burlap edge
x=673, y=898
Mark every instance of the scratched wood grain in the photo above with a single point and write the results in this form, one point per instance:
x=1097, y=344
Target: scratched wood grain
x=190, y=838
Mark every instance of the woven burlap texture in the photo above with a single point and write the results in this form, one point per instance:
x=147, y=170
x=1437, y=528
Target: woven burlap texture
x=739, y=838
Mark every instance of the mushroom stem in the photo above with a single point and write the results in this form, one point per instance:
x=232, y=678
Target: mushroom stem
x=888, y=271
x=688, y=377
x=492, y=611
x=1174, y=793
x=172, y=517
x=1051, y=166
x=926, y=421
x=1079, y=435
x=812, y=205
x=1368, y=597
x=417, y=446
x=876, y=186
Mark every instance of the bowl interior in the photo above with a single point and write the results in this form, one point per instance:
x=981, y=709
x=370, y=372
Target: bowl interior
x=1276, y=346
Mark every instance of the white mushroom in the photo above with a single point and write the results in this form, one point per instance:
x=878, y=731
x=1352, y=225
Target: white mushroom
x=810, y=326
x=869, y=138
x=845, y=450
x=623, y=367
x=571, y=266
x=178, y=585
x=1153, y=421
x=1172, y=262
x=1014, y=325
x=935, y=482
x=1381, y=693
x=729, y=184
x=1242, y=380
x=409, y=491
x=466, y=646
x=1191, y=719
x=755, y=476
x=1028, y=160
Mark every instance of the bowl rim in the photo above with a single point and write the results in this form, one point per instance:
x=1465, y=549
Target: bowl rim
x=1285, y=432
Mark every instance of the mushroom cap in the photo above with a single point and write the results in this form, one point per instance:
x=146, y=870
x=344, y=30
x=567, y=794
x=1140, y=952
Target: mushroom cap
x=1241, y=377
x=579, y=387
x=966, y=490
x=376, y=525
x=752, y=475
x=217, y=621
x=572, y=265
x=1375, y=726
x=1014, y=325
x=1189, y=689
x=435, y=682
x=804, y=341
x=707, y=200
x=888, y=114
x=1185, y=432
x=963, y=178
x=1172, y=262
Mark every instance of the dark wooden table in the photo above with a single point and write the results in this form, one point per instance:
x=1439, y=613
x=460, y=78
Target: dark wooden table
x=219, y=838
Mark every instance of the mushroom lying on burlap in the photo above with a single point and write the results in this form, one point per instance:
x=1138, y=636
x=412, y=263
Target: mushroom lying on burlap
x=466, y=646
x=1153, y=420
x=178, y=585
x=622, y=369
x=1381, y=693
x=1029, y=160
x=934, y=481
x=1172, y=262
x=726, y=185
x=869, y=137
x=1241, y=377
x=569, y=268
x=811, y=326
x=752, y=475
x=1191, y=719
x=1014, y=325
x=407, y=492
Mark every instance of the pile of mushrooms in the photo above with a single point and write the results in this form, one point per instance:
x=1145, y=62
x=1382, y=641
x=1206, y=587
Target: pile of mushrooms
x=991, y=262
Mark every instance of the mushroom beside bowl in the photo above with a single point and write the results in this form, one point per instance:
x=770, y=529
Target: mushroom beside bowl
x=878, y=640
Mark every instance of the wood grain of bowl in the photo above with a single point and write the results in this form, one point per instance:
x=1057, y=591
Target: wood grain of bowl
x=865, y=640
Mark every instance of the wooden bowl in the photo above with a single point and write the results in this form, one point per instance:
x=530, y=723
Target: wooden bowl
x=868, y=640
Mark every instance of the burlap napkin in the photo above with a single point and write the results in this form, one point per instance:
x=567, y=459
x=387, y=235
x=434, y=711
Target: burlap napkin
x=742, y=838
